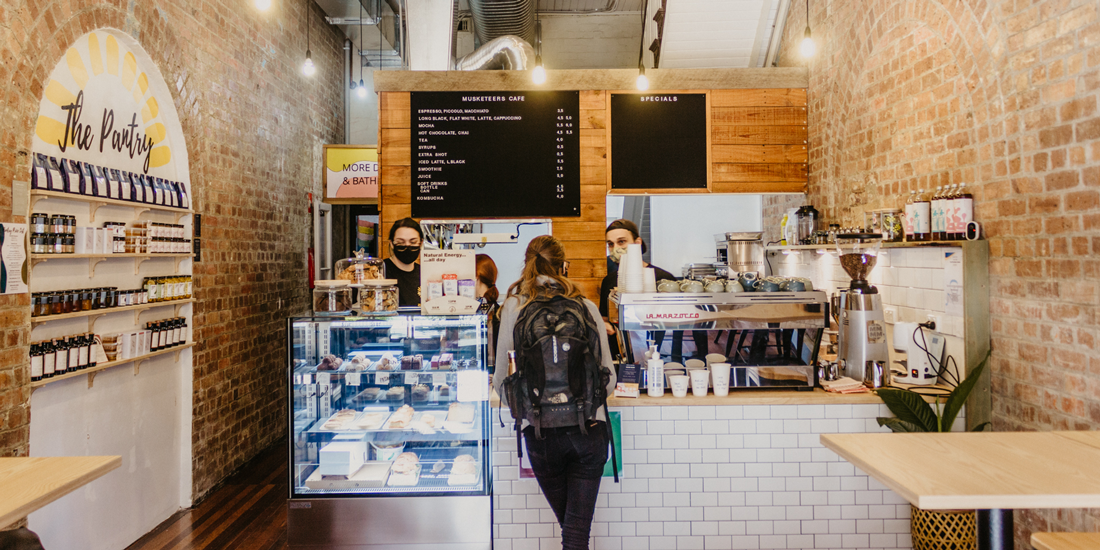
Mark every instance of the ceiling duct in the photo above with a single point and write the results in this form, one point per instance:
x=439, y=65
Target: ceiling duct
x=508, y=53
x=496, y=18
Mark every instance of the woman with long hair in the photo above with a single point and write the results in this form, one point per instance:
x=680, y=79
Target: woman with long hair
x=486, y=291
x=568, y=461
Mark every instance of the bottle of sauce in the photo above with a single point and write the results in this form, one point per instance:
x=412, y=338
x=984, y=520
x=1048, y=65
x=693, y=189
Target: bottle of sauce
x=922, y=217
x=36, y=361
x=61, y=359
x=965, y=210
x=92, y=360
x=74, y=353
x=154, y=336
x=939, y=228
x=85, y=350
x=177, y=330
x=49, y=359
x=949, y=216
x=909, y=208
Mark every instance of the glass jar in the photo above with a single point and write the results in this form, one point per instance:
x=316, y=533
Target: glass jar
x=112, y=297
x=377, y=297
x=359, y=269
x=331, y=298
x=99, y=298
x=892, y=229
x=57, y=243
x=38, y=243
x=40, y=223
x=68, y=243
x=86, y=300
x=55, y=303
x=57, y=224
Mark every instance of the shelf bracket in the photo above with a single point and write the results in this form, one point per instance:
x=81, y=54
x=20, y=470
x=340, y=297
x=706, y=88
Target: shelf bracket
x=177, y=354
x=36, y=261
x=139, y=210
x=35, y=199
x=94, y=207
x=181, y=215
x=91, y=321
x=91, y=379
x=138, y=262
x=92, y=262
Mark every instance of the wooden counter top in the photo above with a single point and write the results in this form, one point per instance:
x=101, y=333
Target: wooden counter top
x=750, y=397
x=989, y=470
x=28, y=484
x=1065, y=541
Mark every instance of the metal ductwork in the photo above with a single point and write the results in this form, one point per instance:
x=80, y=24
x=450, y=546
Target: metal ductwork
x=496, y=18
x=509, y=53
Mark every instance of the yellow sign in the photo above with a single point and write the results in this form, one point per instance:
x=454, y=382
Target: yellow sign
x=351, y=174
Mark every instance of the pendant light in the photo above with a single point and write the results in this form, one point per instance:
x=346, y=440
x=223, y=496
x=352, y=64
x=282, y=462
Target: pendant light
x=807, y=48
x=538, y=75
x=362, y=89
x=307, y=68
x=263, y=5
x=642, y=83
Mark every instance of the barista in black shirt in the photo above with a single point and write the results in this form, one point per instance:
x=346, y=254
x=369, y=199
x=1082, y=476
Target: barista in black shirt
x=406, y=237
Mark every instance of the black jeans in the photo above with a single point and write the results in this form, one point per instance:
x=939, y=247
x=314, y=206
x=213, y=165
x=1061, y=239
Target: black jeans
x=568, y=466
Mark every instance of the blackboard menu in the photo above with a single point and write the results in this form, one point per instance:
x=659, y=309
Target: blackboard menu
x=659, y=141
x=495, y=154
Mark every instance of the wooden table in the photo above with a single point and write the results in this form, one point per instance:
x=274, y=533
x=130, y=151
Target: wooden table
x=28, y=484
x=992, y=473
x=1065, y=541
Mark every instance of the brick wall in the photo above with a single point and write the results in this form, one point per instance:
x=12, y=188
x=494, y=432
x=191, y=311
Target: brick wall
x=254, y=128
x=1001, y=95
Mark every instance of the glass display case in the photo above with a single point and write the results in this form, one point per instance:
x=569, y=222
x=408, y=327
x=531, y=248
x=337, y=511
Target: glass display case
x=389, y=433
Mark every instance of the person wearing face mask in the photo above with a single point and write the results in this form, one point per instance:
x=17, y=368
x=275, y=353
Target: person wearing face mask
x=405, y=240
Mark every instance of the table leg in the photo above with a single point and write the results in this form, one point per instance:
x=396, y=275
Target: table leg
x=995, y=530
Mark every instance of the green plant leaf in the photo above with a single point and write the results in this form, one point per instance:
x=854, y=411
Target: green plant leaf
x=909, y=407
x=981, y=427
x=898, y=426
x=957, y=398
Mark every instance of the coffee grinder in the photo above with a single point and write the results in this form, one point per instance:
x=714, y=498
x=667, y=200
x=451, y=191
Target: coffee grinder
x=862, y=328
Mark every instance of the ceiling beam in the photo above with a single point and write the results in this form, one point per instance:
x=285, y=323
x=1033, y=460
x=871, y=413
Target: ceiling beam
x=591, y=79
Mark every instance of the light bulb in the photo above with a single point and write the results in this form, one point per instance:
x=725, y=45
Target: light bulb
x=362, y=89
x=538, y=76
x=263, y=5
x=308, y=69
x=643, y=82
x=808, y=48
x=353, y=85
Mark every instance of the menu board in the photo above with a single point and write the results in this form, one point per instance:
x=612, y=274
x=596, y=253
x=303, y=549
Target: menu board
x=495, y=154
x=659, y=141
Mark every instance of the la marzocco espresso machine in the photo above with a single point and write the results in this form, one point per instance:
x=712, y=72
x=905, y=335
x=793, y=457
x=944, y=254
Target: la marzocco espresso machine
x=862, y=329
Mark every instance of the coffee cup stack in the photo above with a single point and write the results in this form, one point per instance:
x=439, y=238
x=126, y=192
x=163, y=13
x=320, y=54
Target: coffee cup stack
x=632, y=272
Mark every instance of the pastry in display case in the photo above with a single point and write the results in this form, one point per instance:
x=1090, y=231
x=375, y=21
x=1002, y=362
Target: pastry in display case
x=389, y=423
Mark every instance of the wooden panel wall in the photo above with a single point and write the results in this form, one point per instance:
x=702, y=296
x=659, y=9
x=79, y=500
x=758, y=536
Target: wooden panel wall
x=758, y=141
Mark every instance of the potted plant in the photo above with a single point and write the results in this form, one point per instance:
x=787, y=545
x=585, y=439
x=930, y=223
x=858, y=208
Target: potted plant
x=934, y=529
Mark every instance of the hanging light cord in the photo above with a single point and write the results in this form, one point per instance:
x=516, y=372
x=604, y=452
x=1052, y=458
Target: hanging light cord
x=641, y=41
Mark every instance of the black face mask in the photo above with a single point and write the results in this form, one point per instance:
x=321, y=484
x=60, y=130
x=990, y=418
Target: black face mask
x=406, y=254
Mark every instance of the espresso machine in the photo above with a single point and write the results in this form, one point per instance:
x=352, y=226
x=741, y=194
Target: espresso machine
x=741, y=252
x=862, y=328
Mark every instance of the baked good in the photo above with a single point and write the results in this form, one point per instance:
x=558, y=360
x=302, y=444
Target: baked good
x=459, y=412
x=401, y=418
x=370, y=421
x=412, y=362
x=396, y=393
x=444, y=390
x=405, y=470
x=464, y=471
x=420, y=392
x=338, y=419
x=369, y=394
x=357, y=363
x=329, y=362
x=446, y=361
x=428, y=419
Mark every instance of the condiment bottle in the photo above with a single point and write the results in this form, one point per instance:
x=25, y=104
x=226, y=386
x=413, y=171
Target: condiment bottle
x=922, y=217
x=965, y=210
x=950, y=217
x=938, y=226
x=85, y=349
x=36, y=361
x=92, y=361
x=74, y=343
x=61, y=358
x=909, y=205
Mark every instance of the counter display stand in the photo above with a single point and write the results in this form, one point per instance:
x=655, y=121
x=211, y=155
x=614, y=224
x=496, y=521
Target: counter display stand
x=389, y=433
x=51, y=272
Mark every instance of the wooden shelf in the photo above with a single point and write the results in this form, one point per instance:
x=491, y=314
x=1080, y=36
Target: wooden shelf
x=95, y=203
x=91, y=372
x=95, y=313
x=832, y=247
x=96, y=259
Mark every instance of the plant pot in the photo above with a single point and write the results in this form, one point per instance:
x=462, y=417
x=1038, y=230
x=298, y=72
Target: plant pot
x=943, y=529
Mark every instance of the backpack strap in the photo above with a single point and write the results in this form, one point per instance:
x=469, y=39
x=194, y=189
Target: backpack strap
x=611, y=441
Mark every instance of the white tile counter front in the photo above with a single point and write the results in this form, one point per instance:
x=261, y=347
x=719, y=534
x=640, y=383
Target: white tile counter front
x=717, y=477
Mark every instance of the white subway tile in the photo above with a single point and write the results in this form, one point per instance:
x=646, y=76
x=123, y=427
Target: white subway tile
x=688, y=427
x=660, y=427
x=785, y=469
x=674, y=413
x=773, y=513
x=769, y=426
x=731, y=470
x=854, y=483
x=729, y=412
x=800, y=513
x=662, y=456
x=690, y=543
x=757, y=412
x=717, y=542
x=716, y=485
x=742, y=426
x=888, y=540
x=647, y=442
x=758, y=499
x=855, y=541
x=840, y=498
x=650, y=471
x=842, y=526
x=662, y=543
x=810, y=412
x=759, y=528
x=828, y=541
x=769, y=455
x=869, y=526
x=674, y=470
x=701, y=442
x=716, y=426
x=745, y=543
x=686, y=456
x=701, y=412
x=703, y=528
x=824, y=425
x=800, y=541
x=689, y=485
x=758, y=441
x=786, y=498
x=689, y=514
x=731, y=528
x=704, y=470
x=621, y=529
x=826, y=512
x=772, y=484
x=604, y=543
x=648, y=413
x=717, y=513
x=716, y=455
x=799, y=484
x=869, y=497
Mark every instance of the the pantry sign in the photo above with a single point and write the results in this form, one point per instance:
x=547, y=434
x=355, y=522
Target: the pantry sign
x=351, y=174
x=106, y=103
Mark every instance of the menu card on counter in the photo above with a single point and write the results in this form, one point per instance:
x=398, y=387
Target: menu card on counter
x=495, y=154
x=628, y=379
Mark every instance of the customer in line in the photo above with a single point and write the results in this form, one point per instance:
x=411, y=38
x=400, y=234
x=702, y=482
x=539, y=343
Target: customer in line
x=486, y=289
x=568, y=464
x=406, y=238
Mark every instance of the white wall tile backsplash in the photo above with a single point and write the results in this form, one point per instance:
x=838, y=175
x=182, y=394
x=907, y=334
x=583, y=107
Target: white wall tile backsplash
x=910, y=280
x=753, y=476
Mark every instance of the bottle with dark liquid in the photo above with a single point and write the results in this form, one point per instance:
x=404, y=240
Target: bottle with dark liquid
x=61, y=351
x=85, y=348
x=922, y=214
x=49, y=358
x=92, y=359
x=74, y=353
x=36, y=361
x=939, y=228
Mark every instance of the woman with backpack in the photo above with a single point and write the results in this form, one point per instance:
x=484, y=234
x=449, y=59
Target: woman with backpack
x=568, y=460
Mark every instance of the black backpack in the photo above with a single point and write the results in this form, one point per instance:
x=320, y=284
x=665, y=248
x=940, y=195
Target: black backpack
x=559, y=379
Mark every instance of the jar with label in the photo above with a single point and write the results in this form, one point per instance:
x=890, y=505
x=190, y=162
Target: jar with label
x=68, y=244
x=377, y=297
x=331, y=298
x=40, y=223
x=57, y=224
x=86, y=300
x=57, y=243
x=38, y=243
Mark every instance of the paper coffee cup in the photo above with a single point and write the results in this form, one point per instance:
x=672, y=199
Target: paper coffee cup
x=720, y=375
x=700, y=379
x=679, y=385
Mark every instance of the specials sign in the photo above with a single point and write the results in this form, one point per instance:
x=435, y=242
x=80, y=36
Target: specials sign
x=351, y=174
x=107, y=104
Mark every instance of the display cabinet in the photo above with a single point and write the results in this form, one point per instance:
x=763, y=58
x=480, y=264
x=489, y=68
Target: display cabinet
x=389, y=433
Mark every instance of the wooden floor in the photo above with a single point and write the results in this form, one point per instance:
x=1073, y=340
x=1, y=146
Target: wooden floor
x=248, y=512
